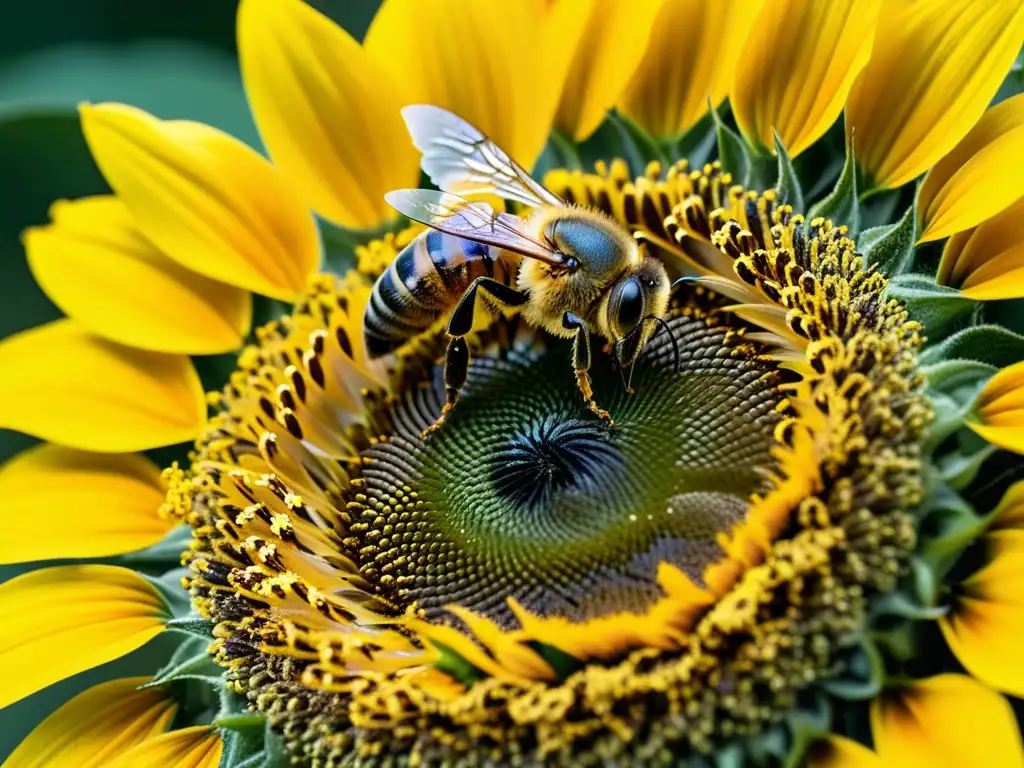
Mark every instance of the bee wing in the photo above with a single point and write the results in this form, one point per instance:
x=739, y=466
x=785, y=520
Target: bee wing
x=475, y=221
x=460, y=159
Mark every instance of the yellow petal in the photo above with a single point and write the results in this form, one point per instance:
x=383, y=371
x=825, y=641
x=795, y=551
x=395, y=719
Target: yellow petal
x=669, y=92
x=98, y=268
x=611, y=46
x=497, y=65
x=195, y=747
x=60, y=502
x=1001, y=409
x=934, y=68
x=981, y=176
x=840, y=752
x=987, y=262
x=986, y=639
x=1010, y=512
x=326, y=111
x=946, y=720
x=206, y=199
x=64, y=620
x=796, y=68
x=66, y=386
x=96, y=726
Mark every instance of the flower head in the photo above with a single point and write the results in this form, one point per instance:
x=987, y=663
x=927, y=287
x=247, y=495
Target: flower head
x=759, y=540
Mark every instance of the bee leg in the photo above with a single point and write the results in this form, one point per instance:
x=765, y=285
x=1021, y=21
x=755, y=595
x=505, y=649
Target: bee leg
x=456, y=361
x=581, y=364
x=456, y=369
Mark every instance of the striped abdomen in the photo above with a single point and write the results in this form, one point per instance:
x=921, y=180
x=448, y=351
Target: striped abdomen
x=423, y=283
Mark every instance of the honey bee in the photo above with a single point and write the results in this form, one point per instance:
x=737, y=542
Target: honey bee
x=569, y=270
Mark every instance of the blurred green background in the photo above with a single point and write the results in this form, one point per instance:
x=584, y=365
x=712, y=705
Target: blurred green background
x=176, y=60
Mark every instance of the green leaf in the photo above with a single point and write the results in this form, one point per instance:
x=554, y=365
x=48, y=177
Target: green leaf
x=990, y=344
x=891, y=248
x=939, y=308
x=788, y=185
x=732, y=150
x=841, y=206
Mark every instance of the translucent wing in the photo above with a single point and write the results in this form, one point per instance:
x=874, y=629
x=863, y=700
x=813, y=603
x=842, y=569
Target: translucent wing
x=459, y=159
x=475, y=221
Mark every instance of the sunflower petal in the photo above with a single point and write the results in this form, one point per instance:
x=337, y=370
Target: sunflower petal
x=942, y=721
x=840, y=752
x=59, y=502
x=195, y=747
x=986, y=639
x=981, y=176
x=1010, y=512
x=96, y=266
x=987, y=262
x=933, y=70
x=1001, y=409
x=64, y=620
x=96, y=726
x=326, y=111
x=609, y=49
x=669, y=92
x=66, y=386
x=205, y=199
x=498, y=65
x=783, y=84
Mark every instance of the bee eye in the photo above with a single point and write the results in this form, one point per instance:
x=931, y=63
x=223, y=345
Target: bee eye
x=630, y=306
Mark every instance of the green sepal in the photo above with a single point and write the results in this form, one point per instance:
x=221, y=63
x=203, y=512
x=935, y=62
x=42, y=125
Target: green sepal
x=190, y=661
x=807, y=725
x=451, y=663
x=953, y=390
x=646, y=146
x=864, y=676
x=957, y=376
x=193, y=625
x=168, y=586
x=959, y=469
x=891, y=248
x=788, y=185
x=696, y=145
x=900, y=604
x=947, y=525
x=338, y=245
x=249, y=741
x=732, y=150
x=841, y=205
x=990, y=344
x=166, y=552
x=563, y=663
x=939, y=308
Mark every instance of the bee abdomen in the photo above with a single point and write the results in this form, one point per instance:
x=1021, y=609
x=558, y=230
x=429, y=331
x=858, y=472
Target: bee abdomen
x=420, y=285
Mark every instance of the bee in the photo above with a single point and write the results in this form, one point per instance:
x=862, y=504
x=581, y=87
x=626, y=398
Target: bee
x=570, y=270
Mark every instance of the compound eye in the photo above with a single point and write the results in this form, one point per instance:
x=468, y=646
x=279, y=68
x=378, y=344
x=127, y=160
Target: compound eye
x=630, y=306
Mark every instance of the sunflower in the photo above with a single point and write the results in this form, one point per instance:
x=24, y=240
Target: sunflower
x=799, y=541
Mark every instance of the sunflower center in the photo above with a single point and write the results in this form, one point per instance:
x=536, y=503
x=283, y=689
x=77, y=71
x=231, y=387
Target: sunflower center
x=524, y=495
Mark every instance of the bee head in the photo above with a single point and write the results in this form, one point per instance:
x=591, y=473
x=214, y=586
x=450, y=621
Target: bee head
x=635, y=302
